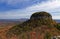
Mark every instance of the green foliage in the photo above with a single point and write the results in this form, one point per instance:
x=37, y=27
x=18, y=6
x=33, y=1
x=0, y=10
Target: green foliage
x=58, y=26
x=47, y=35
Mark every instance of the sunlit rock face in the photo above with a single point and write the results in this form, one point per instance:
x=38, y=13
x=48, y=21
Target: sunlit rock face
x=41, y=15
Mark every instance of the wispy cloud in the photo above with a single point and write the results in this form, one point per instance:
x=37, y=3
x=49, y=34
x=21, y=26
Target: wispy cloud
x=51, y=6
x=45, y=6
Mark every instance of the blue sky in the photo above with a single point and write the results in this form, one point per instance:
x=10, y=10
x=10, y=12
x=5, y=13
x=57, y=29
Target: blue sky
x=16, y=9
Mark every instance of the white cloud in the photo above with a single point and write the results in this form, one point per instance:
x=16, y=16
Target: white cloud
x=14, y=14
x=45, y=6
x=52, y=6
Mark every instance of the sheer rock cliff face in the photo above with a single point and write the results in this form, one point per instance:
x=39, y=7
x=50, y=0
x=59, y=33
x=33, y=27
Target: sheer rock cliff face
x=43, y=18
x=40, y=24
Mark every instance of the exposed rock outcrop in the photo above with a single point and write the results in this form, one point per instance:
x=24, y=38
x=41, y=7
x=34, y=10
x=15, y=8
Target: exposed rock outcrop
x=41, y=15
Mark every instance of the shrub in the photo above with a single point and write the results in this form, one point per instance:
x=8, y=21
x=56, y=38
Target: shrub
x=58, y=26
x=47, y=35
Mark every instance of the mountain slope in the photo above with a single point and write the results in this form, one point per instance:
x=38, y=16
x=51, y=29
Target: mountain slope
x=39, y=26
